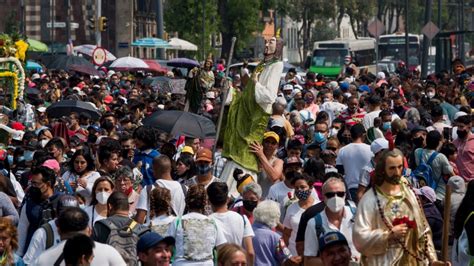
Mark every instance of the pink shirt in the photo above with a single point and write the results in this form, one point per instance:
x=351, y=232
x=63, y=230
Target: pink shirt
x=465, y=160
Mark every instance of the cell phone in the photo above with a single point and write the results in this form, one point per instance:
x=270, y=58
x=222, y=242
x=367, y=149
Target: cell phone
x=448, y=133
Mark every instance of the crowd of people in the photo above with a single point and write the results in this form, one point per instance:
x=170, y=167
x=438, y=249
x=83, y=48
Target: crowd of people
x=351, y=170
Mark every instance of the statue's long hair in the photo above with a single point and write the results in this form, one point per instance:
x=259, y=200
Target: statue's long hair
x=380, y=173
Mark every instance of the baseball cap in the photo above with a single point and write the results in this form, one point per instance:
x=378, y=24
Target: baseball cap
x=151, y=239
x=187, y=149
x=35, y=76
x=426, y=191
x=364, y=88
x=378, y=145
x=204, y=155
x=459, y=114
x=242, y=180
x=52, y=164
x=277, y=122
x=330, y=239
x=344, y=86
x=108, y=99
x=271, y=134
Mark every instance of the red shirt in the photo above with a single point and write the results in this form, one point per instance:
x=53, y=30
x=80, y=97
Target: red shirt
x=465, y=160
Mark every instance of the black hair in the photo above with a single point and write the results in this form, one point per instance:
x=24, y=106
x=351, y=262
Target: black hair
x=217, y=193
x=375, y=100
x=298, y=176
x=448, y=149
x=315, y=168
x=146, y=135
x=385, y=113
x=47, y=175
x=105, y=154
x=433, y=139
x=76, y=247
x=84, y=152
x=357, y=131
x=322, y=116
x=465, y=119
x=56, y=142
x=119, y=201
x=73, y=219
x=436, y=111
x=294, y=144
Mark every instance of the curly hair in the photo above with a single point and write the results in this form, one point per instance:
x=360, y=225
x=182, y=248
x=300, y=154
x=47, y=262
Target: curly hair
x=196, y=198
x=9, y=229
x=160, y=201
x=268, y=213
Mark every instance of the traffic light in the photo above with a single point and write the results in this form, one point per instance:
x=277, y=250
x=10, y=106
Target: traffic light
x=91, y=25
x=103, y=23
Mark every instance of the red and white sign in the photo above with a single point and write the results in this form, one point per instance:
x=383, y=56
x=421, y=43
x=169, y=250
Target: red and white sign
x=99, y=56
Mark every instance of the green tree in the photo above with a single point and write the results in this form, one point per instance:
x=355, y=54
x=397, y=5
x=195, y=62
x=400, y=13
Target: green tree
x=239, y=18
x=186, y=18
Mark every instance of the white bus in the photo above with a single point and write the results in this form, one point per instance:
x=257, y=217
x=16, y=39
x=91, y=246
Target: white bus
x=328, y=56
x=392, y=46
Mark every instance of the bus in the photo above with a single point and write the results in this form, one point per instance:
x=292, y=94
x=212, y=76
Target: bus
x=328, y=56
x=392, y=47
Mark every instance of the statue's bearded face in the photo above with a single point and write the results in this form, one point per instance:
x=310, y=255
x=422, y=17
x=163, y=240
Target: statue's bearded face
x=270, y=46
x=393, y=169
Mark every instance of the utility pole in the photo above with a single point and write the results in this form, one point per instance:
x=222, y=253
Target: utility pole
x=68, y=19
x=22, y=17
x=51, y=5
x=461, y=36
x=159, y=27
x=439, y=46
x=203, y=29
x=98, y=34
x=426, y=41
x=407, y=44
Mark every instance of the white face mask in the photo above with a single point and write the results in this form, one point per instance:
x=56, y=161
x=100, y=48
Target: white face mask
x=430, y=94
x=333, y=132
x=102, y=197
x=335, y=204
x=43, y=143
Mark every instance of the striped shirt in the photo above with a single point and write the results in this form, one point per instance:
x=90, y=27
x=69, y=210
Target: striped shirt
x=352, y=119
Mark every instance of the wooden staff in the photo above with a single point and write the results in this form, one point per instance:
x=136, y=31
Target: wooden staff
x=446, y=224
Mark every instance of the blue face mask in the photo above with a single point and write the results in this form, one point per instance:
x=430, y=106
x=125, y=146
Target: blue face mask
x=10, y=159
x=386, y=126
x=203, y=169
x=28, y=155
x=321, y=140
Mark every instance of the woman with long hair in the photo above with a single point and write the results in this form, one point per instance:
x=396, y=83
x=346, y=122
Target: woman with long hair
x=9, y=244
x=81, y=174
x=185, y=168
x=97, y=210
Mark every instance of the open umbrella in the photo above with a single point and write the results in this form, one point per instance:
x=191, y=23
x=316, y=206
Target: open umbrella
x=154, y=66
x=66, y=107
x=151, y=43
x=88, y=49
x=85, y=69
x=183, y=62
x=36, y=46
x=129, y=63
x=64, y=61
x=182, y=123
x=31, y=65
x=180, y=44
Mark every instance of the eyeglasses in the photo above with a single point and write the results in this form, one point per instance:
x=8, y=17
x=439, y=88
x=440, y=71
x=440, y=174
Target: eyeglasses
x=331, y=148
x=340, y=194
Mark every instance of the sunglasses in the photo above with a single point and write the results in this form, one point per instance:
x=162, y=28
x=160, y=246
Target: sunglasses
x=331, y=148
x=340, y=194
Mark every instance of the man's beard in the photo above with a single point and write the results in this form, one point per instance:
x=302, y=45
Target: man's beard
x=394, y=179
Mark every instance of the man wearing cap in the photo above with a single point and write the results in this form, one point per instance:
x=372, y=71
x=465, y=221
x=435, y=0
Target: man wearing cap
x=249, y=114
x=270, y=166
x=377, y=147
x=155, y=250
x=334, y=249
x=390, y=227
x=203, y=169
x=465, y=145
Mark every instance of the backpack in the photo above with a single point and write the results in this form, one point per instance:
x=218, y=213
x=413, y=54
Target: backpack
x=124, y=240
x=49, y=235
x=423, y=174
x=318, y=221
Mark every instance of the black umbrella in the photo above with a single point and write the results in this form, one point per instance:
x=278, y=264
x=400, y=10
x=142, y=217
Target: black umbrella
x=65, y=61
x=66, y=107
x=182, y=123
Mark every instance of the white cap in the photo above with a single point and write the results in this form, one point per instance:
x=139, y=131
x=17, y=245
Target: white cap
x=41, y=109
x=333, y=85
x=378, y=145
x=35, y=76
x=459, y=114
x=210, y=95
x=288, y=87
x=380, y=75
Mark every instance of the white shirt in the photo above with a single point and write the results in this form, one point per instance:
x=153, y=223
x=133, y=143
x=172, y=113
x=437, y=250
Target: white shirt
x=103, y=255
x=235, y=227
x=86, y=192
x=215, y=237
x=292, y=221
x=311, y=241
x=177, y=197
x=162, y=223
x=93, y=215
x=353, y=157
x=266, y=89
x=334, y=109
x=38, y=242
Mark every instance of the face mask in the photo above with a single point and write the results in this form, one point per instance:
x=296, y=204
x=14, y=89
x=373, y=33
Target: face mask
x=308, y=100
x=102, y=197
x=10, y=159
x=461, y=133
x=347, y=94
x=335, y=204
x=28, y=155
x=333, y=132
x=21, y=158
x=326, y=100
x=430, y=94
x=35, y=194
x=302, y=194
x=82, y=206
x=319, y=137
x=458, y=106
x=386, y=126
x=43, y=143
x=250, y=205
x=418, y=142
x=203, y=169
x=346, y=140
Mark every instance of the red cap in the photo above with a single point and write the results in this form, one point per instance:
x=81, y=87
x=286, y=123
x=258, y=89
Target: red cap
x=204, y=155
x=108, y=99
x=17, y=126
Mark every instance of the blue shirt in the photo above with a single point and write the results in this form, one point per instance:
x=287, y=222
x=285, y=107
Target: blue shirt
x=146, y=158
x=266, y=244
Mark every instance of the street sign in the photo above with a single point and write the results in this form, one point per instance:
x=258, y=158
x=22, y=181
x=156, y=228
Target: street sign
x=74, y=25
x=56, y=24
x=99, y=56
x=376, y=28
x=430, y=30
